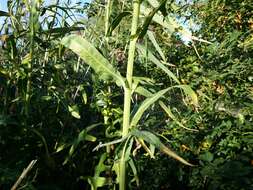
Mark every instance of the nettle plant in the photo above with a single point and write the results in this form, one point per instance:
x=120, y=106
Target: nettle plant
x=143, y=13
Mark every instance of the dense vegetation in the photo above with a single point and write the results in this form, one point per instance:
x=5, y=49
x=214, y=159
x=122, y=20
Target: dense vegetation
x=138, y=94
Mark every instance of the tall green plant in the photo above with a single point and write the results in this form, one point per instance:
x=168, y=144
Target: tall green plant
x=107, y=72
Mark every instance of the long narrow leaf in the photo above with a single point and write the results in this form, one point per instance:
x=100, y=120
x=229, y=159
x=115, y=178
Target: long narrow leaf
x=146, y=104
x=154, y=140
x=93, y=58
x=150, y=100
x=144, y=92
x=152, y=58
x=169, y=23
x=156, y=45
x=116, y=21
x=3, y=13
x=149, y=18
x=173, y=117
x=134, y=170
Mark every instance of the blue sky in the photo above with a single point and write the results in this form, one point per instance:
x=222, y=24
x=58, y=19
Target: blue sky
x=3, y=4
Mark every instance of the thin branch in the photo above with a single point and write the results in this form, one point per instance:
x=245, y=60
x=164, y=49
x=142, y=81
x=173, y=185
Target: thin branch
x=23, y=175
x=100, y=145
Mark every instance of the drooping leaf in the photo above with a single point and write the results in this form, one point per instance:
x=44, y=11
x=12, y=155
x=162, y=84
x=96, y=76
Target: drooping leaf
x=154, y=140
x=92, y=57
x=172, y=154
x=150, y=100
x=169, y=23
x=173, y=117
x=151, y=153
x=153, y=59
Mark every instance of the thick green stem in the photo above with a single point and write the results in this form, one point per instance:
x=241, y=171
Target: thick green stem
x=130, y=63
x=128, y=88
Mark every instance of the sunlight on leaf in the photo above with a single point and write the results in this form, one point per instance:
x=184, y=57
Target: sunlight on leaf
x=91, y=56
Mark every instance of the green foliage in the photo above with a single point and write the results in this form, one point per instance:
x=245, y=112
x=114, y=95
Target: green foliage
x=92, y=57
x=193, y=97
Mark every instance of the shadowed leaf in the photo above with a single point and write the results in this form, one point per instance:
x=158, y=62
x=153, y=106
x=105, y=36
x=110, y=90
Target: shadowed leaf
x=116, y=21
x=154, y=140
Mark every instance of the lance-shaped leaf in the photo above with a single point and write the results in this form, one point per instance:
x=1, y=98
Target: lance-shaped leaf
x=134, y=170
x=3, y=13
x=116, y=21
x=152, y=99
x=92, y=57
x=169, y=23
x=173, y=117
x=142, y=91
x=153, y=59
x=146, y=104
x=156, y=45
x=149, y=18
x=154, y=140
